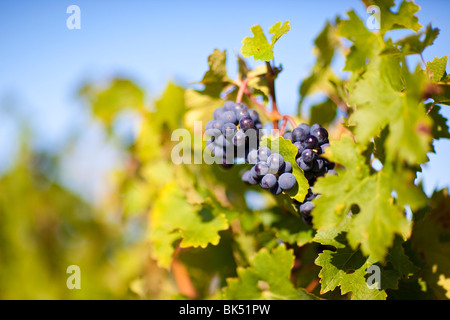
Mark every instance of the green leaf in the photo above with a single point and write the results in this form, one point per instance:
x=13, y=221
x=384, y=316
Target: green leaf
x=437, y=68
x=258, y=46
x=173, y=218
x=170, y=107
x=379, y=219
x=288, y=151
x=291, y=229
x=404, y=18
x=347, y=267
x=268, y=277
x=323, y=113
x=365, y=43
x=388, y=85
x=216, y=78
x=416, y=43
x=106, y=102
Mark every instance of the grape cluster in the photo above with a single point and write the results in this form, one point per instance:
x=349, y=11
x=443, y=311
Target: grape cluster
x=311, y=143
x=270, y=170
x=234, y=131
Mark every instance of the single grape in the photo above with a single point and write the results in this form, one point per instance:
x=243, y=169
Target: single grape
x=306, y=208
x=229, y=129
x=314, y=127
x=308, y=155
x=214, y=128
x=288, y=136
x=252, y=157
x=264, y=153
x=229, y=116
x=242, y=114
x=287, y=181
x=246, y=123
x=247, y=174
x=305, y=127
x=321, y=134
x=229, y=105
x=253, y=114
x=217, y=114
x=268, y=181
x=239, y=106
x=299, y=134
x=310, y=142
x=261, y=169
x=275, y=162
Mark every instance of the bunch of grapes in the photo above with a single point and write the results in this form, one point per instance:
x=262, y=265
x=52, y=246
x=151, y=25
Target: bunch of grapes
x=270, y=170
x=311, y=143
x=234, y=132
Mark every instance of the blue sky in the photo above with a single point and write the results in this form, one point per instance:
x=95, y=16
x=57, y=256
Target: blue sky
x=42, y=62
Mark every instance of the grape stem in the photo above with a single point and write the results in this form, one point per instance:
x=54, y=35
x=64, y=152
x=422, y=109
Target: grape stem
x=260, y=105
x=242, y=88
x=287, y=119
x=270, y=76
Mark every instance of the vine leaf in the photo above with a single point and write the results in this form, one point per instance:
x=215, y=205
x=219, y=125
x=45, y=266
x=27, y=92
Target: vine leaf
x=268, y=277
x=258, y=46
x=173, y=219
x=288, y=151
x=404, y=18
x=441, y=79
x=387, y=82
x=347, y=267
x=380, y=218
x=416, y=43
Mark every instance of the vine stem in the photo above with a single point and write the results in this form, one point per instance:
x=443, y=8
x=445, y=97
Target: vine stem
x=260, y=106
x=274, y=115
x=270, y=76
x=242, y=89
x=287, y=119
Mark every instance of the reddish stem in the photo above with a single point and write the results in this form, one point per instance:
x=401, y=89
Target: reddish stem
x=260, y=106
x=287, y=119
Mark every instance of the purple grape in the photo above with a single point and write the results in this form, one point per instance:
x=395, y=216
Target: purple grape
x=287, y=181
x=268, y=181
x=246, y=123
x=310, y=142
